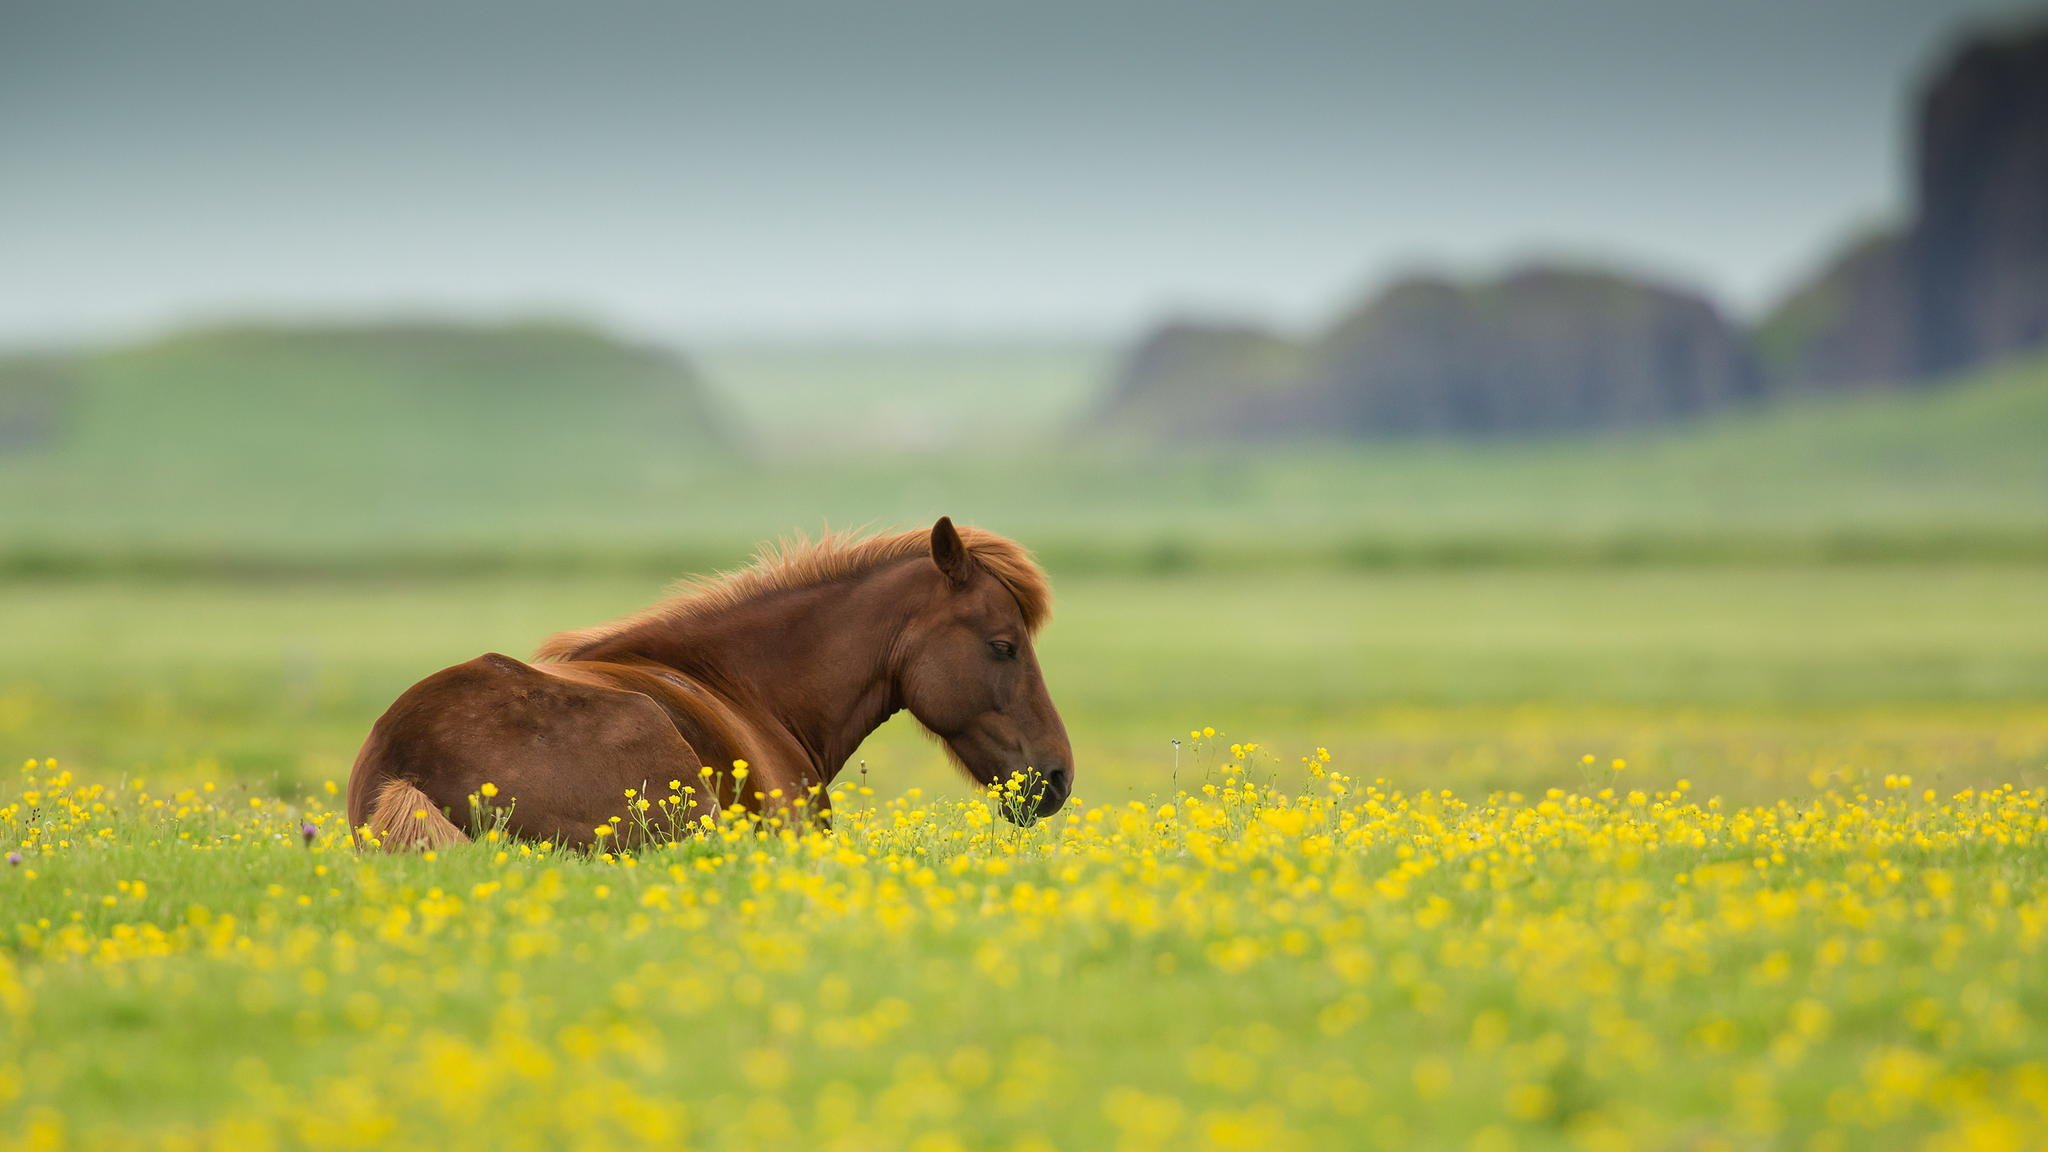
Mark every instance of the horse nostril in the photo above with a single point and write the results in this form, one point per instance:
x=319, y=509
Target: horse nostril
x=1058, y=778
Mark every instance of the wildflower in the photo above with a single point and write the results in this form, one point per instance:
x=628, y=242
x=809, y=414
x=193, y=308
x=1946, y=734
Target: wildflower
x=489, y=789
x=1560, y=926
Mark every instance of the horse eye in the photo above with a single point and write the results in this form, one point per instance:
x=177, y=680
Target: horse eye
x=1003, y=649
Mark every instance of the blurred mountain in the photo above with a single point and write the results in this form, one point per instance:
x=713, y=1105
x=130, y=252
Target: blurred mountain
x=265, y=431
x=37, y=394
x=1966, y=281
x=1557, y=349
x=1980, y=239
x=516, y=391
x=1850, y=325
x=1543, y=349
x=1205, y=381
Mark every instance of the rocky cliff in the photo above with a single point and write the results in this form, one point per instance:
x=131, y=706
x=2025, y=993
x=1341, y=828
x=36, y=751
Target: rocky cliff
x=1190, y=379
x=1541, y=350
x=1550, y=349
x=1545, y=349
x=1980, y=235
x=1965, y=282
x=1850, y=326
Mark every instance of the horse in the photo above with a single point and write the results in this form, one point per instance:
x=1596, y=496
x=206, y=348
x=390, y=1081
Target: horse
x=746, y=690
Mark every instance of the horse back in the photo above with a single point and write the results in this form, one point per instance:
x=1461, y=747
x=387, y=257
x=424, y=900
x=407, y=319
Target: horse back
x=558, y=746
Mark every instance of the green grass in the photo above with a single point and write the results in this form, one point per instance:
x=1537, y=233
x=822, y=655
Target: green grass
x=229, y=559
x=1745, y=679
x=1336, y=968
x=169, y=469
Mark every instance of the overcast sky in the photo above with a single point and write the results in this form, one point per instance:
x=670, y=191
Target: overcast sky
x=832, y=169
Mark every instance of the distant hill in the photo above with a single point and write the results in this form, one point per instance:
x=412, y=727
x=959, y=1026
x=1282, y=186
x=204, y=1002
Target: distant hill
x=1551, y=350
x=245, y=430
x=1545, y=349
x=185, y=481
x=514, y=392
x=1193, y=380
x=1965, y=281
x=1850, y=326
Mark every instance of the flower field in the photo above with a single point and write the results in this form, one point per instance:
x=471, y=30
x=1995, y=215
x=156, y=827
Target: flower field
x=1250, y=963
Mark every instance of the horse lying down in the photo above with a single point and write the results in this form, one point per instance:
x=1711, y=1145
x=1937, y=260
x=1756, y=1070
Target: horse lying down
x=748, y=690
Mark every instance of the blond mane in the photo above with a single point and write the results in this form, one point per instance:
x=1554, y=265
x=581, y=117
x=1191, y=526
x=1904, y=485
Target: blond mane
x=797, y=562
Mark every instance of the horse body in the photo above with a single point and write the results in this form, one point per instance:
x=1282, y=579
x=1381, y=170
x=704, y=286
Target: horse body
x=786, y=667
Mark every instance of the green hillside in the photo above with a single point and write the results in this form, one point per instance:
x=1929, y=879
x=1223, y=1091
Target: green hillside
x=255, y=436
x=395, y=447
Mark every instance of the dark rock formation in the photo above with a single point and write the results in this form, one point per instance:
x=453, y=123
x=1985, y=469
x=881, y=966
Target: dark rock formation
x=1541, y=350
x=37, y=394
x=1561, y=350
x=1980, y=237
x=1190, y=379
x=1966, y=282
x=1850, y=326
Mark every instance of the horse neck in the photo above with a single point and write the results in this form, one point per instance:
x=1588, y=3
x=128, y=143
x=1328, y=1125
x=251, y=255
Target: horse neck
x=817, y=662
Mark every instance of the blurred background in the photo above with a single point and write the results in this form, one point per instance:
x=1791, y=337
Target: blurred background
x=1466, y=388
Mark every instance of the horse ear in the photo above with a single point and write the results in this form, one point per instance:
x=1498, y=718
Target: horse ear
x=948, y=552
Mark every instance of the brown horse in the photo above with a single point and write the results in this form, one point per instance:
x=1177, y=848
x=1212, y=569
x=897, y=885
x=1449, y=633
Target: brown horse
x=786, y=666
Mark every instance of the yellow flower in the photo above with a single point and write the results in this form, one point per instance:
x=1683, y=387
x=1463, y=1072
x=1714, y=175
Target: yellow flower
x=489, y=789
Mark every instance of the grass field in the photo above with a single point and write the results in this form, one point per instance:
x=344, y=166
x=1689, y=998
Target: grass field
x=143, y=481
x=1745, y=679
x=1684, y=791
x=1803, y=915
x=1234, y=967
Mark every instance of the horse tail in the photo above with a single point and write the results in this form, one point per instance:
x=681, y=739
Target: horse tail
x=404, y=819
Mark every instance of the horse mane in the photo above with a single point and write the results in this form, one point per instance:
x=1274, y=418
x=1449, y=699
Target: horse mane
x=797, y=562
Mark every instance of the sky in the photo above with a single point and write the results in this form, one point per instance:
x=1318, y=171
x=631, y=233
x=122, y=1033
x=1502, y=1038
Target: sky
x=893, y=169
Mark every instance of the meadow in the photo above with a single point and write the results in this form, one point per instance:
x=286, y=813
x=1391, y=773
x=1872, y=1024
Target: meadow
x=1675, y=791
x=1747, y=679
x=1233, y=966
x=1607, y=857
x=565, y=453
